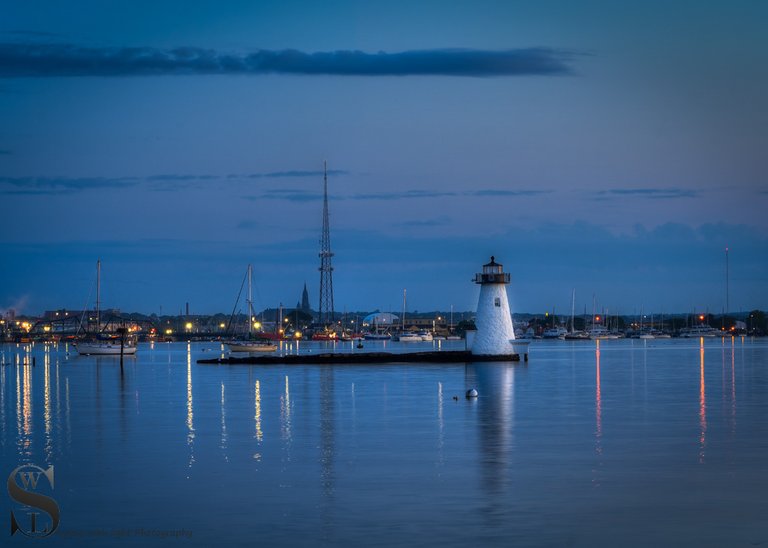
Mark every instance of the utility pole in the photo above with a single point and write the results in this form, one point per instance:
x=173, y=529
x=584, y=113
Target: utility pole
x=727, y=286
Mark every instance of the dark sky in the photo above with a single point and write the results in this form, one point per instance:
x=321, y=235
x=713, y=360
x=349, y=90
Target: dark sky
x=613, y=149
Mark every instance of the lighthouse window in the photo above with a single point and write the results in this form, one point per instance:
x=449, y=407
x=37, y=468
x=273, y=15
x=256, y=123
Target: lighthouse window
x=497, y=302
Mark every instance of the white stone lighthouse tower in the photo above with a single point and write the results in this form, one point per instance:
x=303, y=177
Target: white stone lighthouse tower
x=495, y=335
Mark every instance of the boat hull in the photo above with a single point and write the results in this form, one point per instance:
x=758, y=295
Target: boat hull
x=104, y=349
x=251, y=347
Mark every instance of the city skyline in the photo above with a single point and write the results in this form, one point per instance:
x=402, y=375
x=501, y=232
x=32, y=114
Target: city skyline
x=614, y=150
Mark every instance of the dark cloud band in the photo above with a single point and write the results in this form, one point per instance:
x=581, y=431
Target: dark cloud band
x=51, y=60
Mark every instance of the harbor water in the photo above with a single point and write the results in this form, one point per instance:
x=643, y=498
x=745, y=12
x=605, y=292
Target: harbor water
x=590, y=443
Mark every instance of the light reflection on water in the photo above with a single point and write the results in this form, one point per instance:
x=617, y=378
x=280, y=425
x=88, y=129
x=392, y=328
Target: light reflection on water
x=395, y=454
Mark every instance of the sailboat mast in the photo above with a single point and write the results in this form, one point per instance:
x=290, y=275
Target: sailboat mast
x=98, y=294
x=250, y=302
x=403, y=323
x=573, y=307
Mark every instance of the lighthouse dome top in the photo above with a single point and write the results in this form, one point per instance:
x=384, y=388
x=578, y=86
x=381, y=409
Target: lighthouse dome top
x=493, y=273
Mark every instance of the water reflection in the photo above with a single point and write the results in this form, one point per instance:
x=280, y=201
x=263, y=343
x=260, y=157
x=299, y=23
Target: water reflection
x=259, y=435
x=440, y=423
x=598, y=403
x=18, y=403
x=67, y=412
x=327, y=434
x=702, y=404
x=285, y=412
x=327, y=450
x=495, y=383
x=26, y=411
x=3, y=369
x=223, y=423
x=190, y=414
x=733, y=385
x=47, y=404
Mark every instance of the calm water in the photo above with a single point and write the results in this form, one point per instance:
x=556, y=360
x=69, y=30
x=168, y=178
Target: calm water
x=626, y=443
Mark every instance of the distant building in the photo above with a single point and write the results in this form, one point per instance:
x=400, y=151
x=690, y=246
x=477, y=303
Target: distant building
x=305, y=300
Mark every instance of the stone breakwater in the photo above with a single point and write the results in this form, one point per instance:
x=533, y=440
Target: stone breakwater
x=447, y=356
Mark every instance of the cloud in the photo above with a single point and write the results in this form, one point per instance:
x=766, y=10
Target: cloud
x=288, y=194
x=60, y=185
x=650, y=193
x=299, y=195
x=32, y=33
x=403, y=195
x=53, y=60
x=168, y=182
x=294, y=173
x=494, y=192
x=425, y=223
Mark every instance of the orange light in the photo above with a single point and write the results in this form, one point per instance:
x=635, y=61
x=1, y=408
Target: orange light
x=701, y=317
x=597, y=318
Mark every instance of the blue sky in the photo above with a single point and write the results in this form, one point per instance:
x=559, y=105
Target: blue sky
x=615, y=149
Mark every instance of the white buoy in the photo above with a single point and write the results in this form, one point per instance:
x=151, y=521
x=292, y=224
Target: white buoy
x=471, y=393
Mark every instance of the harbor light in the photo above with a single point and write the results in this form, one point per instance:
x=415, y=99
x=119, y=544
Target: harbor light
x=188, y=326
x=222, y=325
x=257, y=325
x=297, y=335
x=495, y=335
x=169, y=331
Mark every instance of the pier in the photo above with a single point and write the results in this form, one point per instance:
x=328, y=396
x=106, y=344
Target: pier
x=337, y=358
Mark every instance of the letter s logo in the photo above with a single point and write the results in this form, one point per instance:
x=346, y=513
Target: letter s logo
x=25, y=494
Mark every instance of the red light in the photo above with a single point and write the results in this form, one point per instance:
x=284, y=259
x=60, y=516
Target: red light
x=701, y=317
x=597, y=318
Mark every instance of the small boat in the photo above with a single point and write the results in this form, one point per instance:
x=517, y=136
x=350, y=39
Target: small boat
x=407, y=336
x=263, y=345
x=555, y=333
x=374, y=336
x=699, y=331
x=602, y=333
x=426, y=336
x=104, y=344
x=325, y=336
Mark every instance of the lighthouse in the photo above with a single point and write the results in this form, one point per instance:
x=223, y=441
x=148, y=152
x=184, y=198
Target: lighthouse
x=495, y=335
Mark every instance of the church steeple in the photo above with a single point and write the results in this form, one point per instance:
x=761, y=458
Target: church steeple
x=305, y=299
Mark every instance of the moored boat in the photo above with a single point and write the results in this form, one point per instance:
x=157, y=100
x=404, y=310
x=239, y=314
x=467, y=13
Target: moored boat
x=105, y=344
x=407, y=336
x=252, y=346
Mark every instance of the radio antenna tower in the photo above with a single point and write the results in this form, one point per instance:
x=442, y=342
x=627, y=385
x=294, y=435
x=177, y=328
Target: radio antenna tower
x=326, y=270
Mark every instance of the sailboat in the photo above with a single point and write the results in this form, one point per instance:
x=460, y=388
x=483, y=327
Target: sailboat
x=104, y=344
x=406, y=336
x=574, y=335
x=250, y=344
